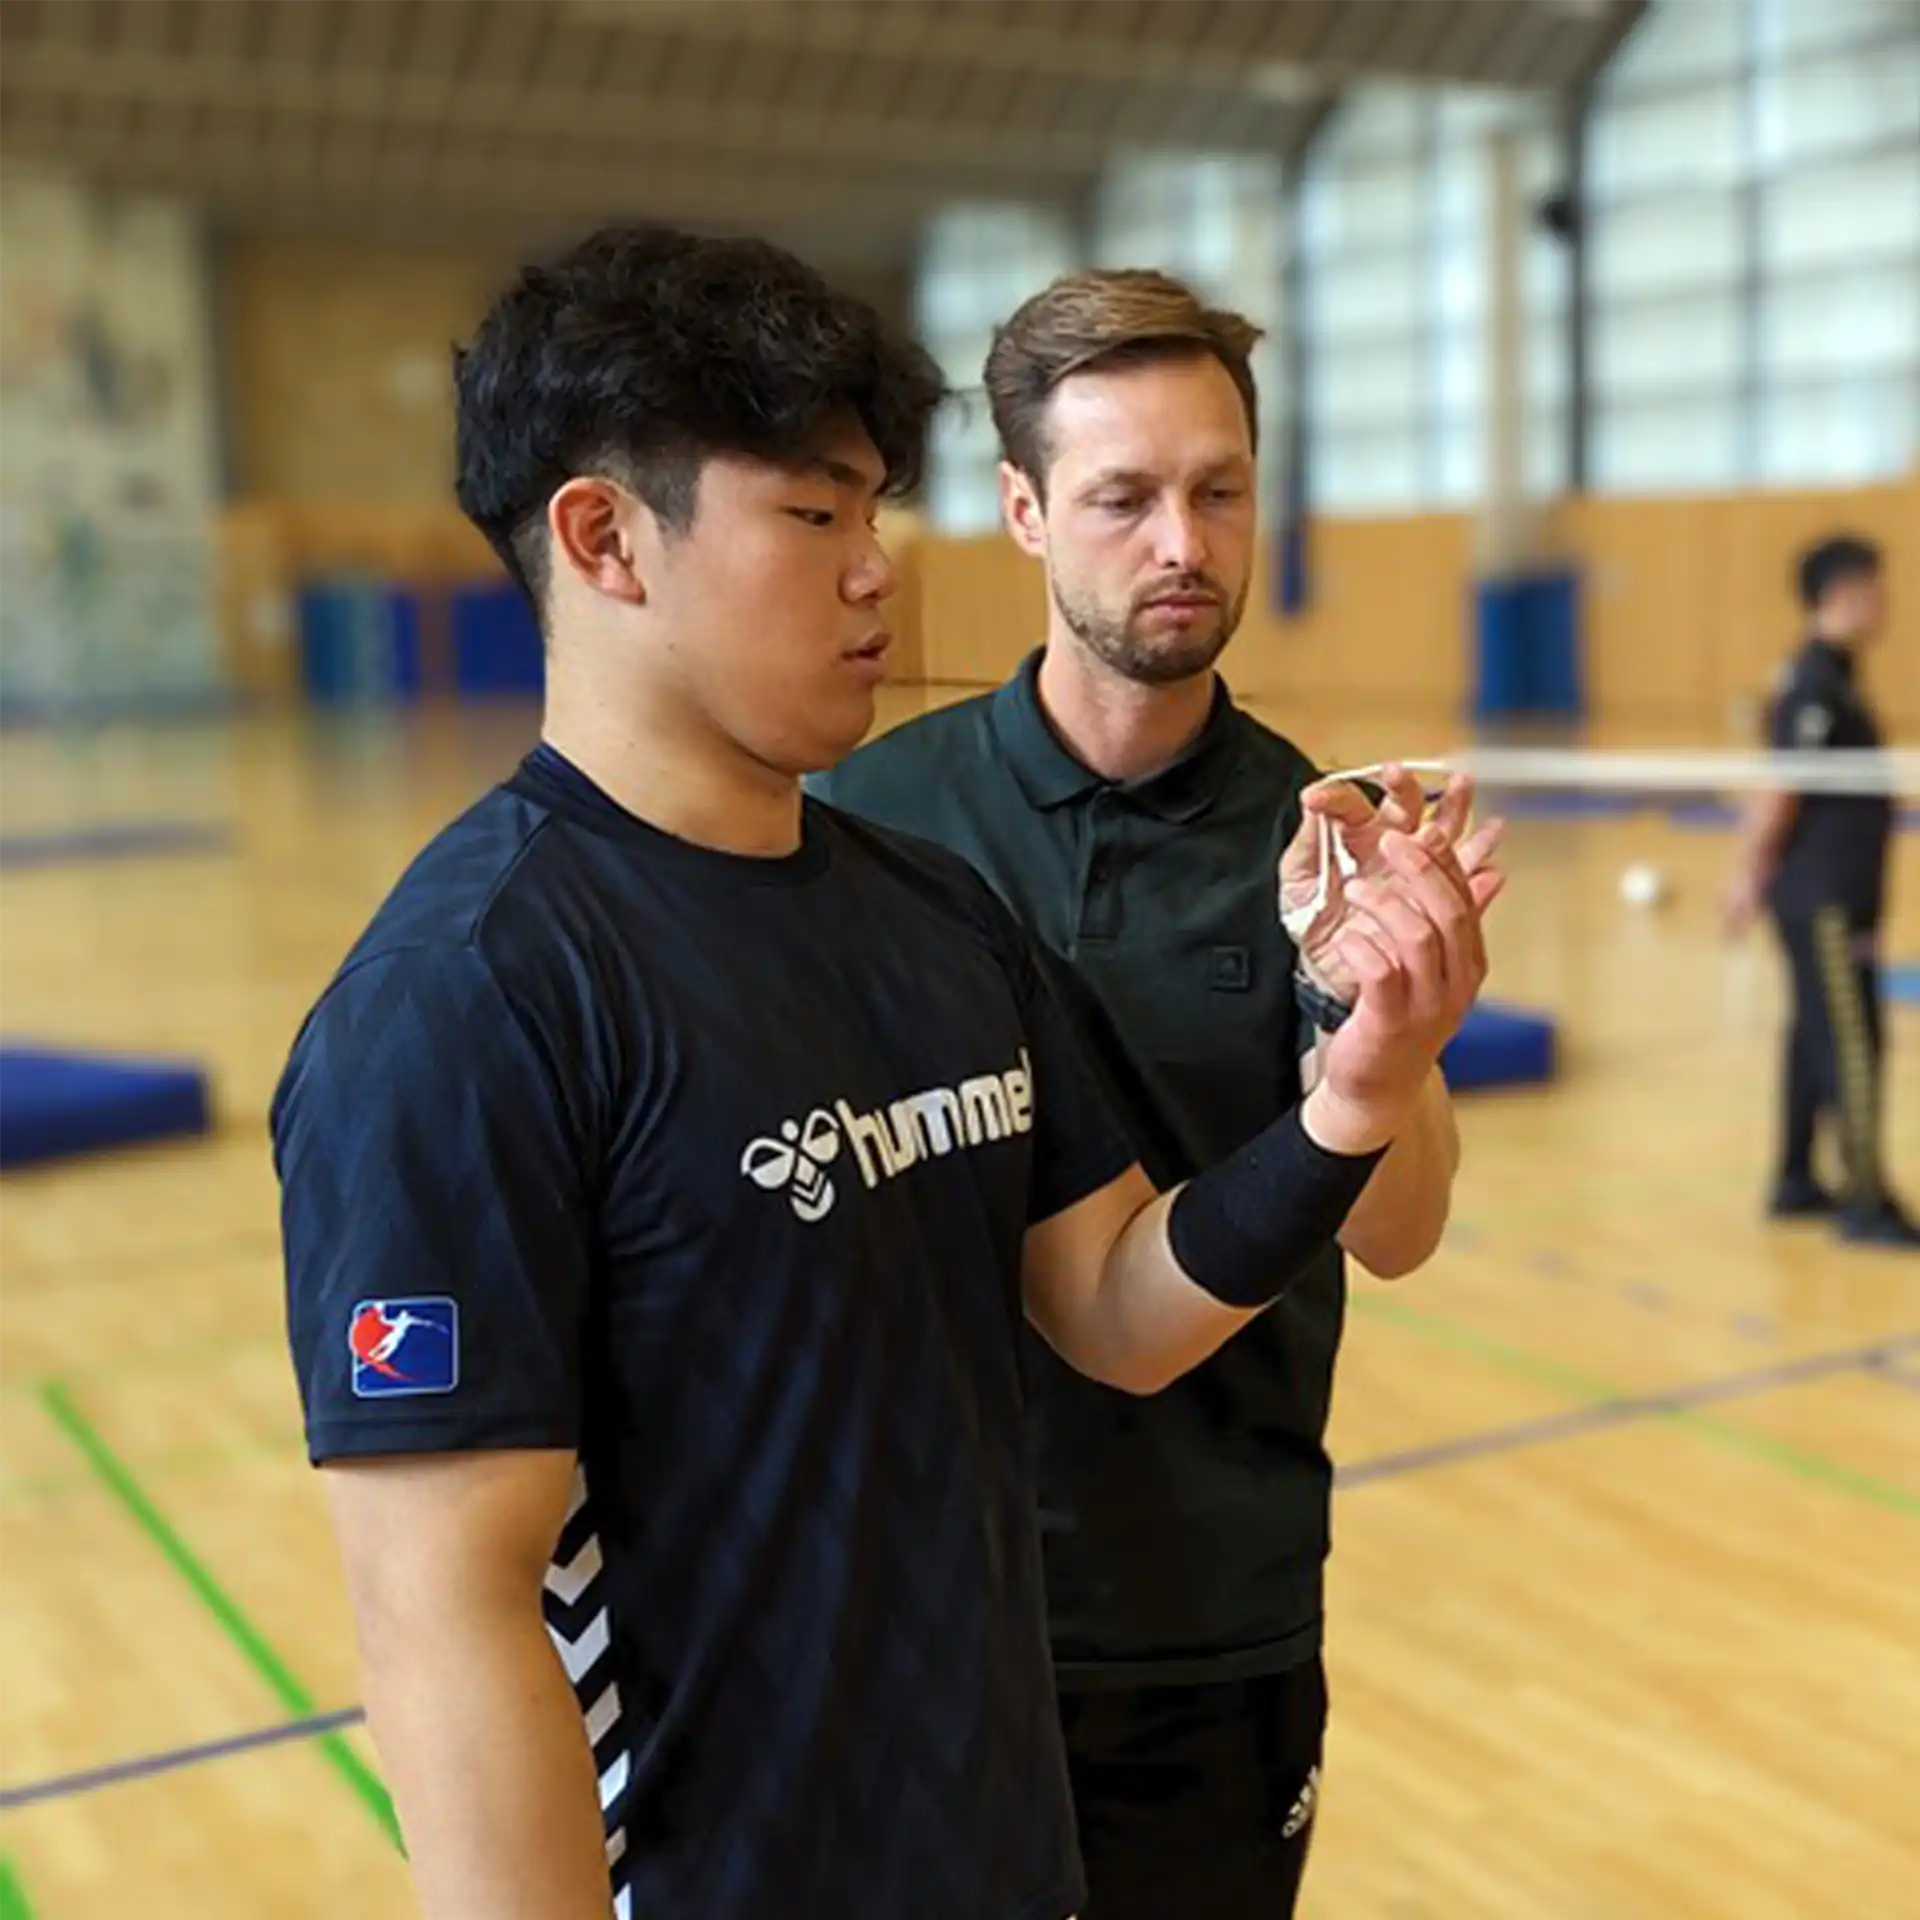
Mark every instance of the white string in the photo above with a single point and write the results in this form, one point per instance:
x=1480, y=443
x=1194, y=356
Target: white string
x=1856, y=770
x=1334, y=848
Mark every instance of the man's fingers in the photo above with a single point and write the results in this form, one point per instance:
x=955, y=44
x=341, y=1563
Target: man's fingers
x=1444, y=855
x=1455, y=808
x=1405, y=803
x=1302, y=857
x=1414, y=939
x=1446, y=903
x=1340, y=801
x=1464, y=936
x=1481, y=845
x=1382, y=982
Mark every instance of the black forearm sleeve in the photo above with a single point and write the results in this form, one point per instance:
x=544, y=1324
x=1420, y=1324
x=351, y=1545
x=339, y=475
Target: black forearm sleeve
x=1245, y=1228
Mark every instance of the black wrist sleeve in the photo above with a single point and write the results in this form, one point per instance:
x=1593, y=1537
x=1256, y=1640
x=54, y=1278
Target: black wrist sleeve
x=1245, y=1228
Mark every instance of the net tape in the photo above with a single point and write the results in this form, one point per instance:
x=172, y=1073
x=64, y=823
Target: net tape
x=1844, y=770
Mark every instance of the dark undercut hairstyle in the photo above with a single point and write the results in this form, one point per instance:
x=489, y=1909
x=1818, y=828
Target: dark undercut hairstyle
x=643, y=352
x=1844, y=556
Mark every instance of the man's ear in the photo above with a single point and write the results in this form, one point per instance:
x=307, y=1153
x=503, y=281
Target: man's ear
x=602, y=534
x=1023, y=511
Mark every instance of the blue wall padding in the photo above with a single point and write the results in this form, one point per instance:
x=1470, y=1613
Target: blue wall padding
x=359, y=643
x=1527, y=647
x=1500, y=1047
x=1902, y=984
x=53, y=1104
x=496, y=642
x=1292, y=570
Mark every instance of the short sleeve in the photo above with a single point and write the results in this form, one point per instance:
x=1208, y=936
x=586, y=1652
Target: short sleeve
x=1079, y=1146
x=1801, y=718
x=434, y=1217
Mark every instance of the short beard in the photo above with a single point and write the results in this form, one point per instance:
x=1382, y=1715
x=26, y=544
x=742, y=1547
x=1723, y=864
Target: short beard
x=1122, y=645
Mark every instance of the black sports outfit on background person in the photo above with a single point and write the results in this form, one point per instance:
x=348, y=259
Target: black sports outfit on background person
x=1827, y=900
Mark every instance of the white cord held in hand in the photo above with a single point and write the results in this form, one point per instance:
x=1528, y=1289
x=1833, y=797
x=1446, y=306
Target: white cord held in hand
x=1647, y=772
x=1298, y=920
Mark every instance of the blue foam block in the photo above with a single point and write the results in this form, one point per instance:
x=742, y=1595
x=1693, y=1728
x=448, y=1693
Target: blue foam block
x=1500, y=1047
x=54, y=1104
x=496, y=642
x=1902, y=984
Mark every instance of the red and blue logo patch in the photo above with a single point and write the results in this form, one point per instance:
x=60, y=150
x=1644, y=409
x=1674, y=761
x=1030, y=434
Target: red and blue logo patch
x=404, y=1346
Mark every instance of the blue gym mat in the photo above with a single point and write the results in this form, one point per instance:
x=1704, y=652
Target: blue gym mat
x=1500, y=1047
x=54, y=1103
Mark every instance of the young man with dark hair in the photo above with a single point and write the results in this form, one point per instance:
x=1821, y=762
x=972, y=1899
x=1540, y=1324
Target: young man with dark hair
x=1818, y=862
x=669, y=1167
x=1133, y=817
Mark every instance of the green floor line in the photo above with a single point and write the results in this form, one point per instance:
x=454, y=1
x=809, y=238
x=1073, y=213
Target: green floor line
x=14, y=1904
x=1520, y=1364
x=250, y=1642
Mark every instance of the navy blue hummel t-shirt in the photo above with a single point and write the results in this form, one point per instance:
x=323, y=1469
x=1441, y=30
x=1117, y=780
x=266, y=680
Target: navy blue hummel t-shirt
x=716, y=1170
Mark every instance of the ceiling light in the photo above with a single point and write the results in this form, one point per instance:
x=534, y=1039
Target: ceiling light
x=1284, y=81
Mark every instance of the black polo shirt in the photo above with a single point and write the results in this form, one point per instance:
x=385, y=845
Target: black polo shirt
x=1185, y=1534
x=1836, y=850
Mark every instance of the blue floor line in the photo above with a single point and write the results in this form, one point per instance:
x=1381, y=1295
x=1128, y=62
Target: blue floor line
x=113, y=840
x=144, y=1766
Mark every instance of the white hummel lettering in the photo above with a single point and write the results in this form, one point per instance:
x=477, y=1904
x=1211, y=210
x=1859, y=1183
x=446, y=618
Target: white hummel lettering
x=890, y=1140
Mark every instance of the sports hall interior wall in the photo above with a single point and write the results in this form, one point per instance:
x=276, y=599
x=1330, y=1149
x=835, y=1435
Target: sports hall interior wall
x=1687, y=603
x=349, y=471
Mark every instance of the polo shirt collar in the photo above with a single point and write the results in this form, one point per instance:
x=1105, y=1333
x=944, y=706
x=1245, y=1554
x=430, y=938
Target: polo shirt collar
x=1050, y=776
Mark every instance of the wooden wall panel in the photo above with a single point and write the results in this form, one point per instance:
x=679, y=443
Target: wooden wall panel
x=1651, y=630
x=1386, y=625
x=338, y=376
x=983, y=608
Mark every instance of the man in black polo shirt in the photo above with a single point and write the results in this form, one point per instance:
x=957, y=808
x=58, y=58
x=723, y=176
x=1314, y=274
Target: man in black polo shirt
x=1819, y=863
x=1133, y=816
x=668, y=1169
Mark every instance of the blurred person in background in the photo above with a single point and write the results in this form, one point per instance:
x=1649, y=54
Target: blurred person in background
x=1818, y=863
x=1133, y=816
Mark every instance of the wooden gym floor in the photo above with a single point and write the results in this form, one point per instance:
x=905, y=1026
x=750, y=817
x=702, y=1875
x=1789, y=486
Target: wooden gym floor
x=1623, y=1602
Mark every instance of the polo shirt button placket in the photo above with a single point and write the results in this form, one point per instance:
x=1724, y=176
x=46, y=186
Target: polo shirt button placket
x=1099, y=894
